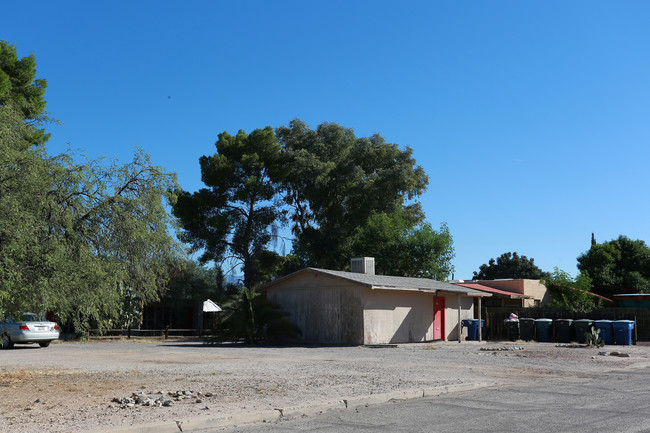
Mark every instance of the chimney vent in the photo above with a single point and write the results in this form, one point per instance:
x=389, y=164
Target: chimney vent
x=363, y=265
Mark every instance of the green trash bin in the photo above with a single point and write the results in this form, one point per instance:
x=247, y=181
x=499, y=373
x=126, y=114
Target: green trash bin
x=527, y=329
x=563, y=330
x=582, y=326
x=512, y=330
x=543, y=328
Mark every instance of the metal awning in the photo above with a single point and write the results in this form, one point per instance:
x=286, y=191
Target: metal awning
x=210, y=307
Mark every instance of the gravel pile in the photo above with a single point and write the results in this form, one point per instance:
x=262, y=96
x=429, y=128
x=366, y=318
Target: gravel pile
x=73, y=387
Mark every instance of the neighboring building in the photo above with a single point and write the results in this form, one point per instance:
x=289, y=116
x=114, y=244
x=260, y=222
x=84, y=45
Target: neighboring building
x=181, y=314
x=518, y=293
x=336, y=307
x=633, y=300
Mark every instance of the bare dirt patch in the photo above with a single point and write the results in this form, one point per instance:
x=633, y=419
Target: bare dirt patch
x=71, y=387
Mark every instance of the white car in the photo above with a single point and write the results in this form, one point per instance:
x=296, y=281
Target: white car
x=30, y=329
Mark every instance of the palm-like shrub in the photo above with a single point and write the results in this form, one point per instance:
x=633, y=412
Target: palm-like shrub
x=251, y=317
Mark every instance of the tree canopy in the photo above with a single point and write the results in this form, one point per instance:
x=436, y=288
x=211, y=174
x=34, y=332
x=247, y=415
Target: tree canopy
x=23, y=92
x=76, y=238
x=510, y=265
x=338, y=191
x=403, y=248
x=334, y=182
x=571, y=294
x=621, y=265
x=235, y=216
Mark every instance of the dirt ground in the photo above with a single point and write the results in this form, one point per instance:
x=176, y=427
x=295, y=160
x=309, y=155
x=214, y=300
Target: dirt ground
x=75, y=387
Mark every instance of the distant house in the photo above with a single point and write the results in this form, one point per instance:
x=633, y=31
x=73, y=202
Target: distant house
x=336, y=307
x=633, y=300
x=518, y=293
x=511, y=292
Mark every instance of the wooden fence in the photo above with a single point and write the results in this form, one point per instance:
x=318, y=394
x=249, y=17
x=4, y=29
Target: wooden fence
x=496, y=330
x=165, y=333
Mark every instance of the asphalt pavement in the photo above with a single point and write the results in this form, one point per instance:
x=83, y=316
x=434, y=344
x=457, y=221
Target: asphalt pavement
x=612, y=402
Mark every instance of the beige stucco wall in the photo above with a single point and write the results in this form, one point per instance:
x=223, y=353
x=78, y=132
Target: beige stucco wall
x=534, y=288
x=327, y=310
x=397, y=316
x=538, y=291
x=451, y=314
x=516, y=286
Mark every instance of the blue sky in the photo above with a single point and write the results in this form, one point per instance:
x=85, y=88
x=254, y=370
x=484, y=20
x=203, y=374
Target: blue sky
x=532, y=119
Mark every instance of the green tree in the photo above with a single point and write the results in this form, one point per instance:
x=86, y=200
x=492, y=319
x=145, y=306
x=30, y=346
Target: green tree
x=403, y=247
x=571, y=295
x=510, y=265
x=618, y=266
x=334, y=181
x=195, y=282
x=236, y=216
x=20, y=89
x=74, y=237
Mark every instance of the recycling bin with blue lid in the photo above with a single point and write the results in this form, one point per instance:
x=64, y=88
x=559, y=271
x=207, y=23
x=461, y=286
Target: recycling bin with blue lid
x=472, y=328
x=606, y=330
x=623, y=332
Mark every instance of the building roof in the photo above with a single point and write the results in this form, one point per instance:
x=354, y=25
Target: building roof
x=386, y=282
x=493, y=290
x=633, y=296
x=591, y=294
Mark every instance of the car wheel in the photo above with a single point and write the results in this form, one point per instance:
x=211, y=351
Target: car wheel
x=44, y=343
x=6, y=342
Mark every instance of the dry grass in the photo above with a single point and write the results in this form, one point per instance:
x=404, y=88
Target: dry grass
x=20, y=376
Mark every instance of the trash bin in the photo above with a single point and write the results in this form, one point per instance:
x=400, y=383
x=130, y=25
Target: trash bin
x=606, y=330
x=512, y=330
x=472, y=328
x=582, y=326
x=623, y=332
x=527, y=329
x=543, y=328
x=563, y=330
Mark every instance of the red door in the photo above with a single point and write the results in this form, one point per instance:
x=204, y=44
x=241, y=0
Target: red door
x=438, y=318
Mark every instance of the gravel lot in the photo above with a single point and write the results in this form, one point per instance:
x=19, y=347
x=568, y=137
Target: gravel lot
x=74, y=387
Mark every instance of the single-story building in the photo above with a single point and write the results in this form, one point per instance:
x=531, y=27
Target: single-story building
x=337, y=307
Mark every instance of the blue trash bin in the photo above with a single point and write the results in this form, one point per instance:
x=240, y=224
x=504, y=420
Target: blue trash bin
x=606, y=330
x=472, y=328
x=623, y=332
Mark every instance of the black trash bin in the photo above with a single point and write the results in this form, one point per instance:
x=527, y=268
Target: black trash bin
x=582, y=326
x=512, y=330
x=563, y=330
x=527, y=329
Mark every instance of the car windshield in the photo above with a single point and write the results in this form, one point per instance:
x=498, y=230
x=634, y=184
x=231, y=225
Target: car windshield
x=31, y=317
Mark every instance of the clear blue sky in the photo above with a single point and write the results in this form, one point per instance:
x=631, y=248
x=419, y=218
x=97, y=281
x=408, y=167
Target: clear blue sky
x=532, y=119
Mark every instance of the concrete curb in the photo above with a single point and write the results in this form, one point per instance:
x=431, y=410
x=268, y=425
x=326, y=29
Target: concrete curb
x=203, y=423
